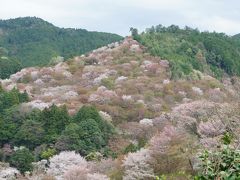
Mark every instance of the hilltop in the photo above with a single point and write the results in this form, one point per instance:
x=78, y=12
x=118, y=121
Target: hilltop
x=34, y=42
x=216, y=54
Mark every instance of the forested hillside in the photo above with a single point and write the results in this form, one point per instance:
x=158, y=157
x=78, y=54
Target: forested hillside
x=118, y=113
x=8, y=65
x=237, y=36
x=34, y=41
x=162, y=106
x=188, y=49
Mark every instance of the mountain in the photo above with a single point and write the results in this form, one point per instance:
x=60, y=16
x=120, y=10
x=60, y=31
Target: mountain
x=187, y=49
x=160, y=122
x=34, y=41
x=133, y=109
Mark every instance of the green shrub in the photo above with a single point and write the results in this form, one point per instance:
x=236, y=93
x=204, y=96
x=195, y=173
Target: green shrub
x=94, y=156
x=108, y=83
x=135, y=147
x=22, y=159
x=222, y=163
x=130, y=148
x=48, y=153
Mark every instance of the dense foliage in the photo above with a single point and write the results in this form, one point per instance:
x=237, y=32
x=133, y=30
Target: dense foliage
x=54, y=125
x=87, y=133
x=44, y=133
x=188, y=49
x=236, y=37
x=222, y=163
x=10, y=117
x=8, y=65
x=22, y=159
x=34, y=41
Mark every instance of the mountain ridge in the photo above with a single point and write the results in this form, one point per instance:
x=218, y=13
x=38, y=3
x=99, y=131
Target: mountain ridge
x=34, y=41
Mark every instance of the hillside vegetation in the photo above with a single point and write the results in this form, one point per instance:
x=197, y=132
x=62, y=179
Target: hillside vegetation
x=163, y=106
x=117, y=113
x=188, y=49
x=34, y=41
x=8, y=65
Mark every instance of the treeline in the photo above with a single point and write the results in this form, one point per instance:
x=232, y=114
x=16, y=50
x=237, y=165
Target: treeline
x=34, y=41
x=188, y=49
x=37, y=135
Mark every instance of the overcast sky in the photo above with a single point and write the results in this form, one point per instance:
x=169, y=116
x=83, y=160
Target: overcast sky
x=118, y=16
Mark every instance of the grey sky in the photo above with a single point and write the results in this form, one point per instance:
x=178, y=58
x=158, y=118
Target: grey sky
x=118, y=16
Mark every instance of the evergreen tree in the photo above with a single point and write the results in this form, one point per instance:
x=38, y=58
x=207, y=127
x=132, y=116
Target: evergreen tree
x=30, y=134
x=22, y=159
x=54, y=120
x=90, y=112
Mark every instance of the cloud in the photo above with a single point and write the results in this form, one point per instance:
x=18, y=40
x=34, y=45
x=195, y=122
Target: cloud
x=119, y=16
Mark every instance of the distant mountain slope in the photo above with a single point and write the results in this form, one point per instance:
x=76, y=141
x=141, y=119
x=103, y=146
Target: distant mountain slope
x=188, y=49
x=34, y=41
x=8, y=65
x=237, y=36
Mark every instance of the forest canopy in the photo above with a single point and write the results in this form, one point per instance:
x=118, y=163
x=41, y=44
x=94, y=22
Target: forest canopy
x=34, y=41
x=188, y=49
